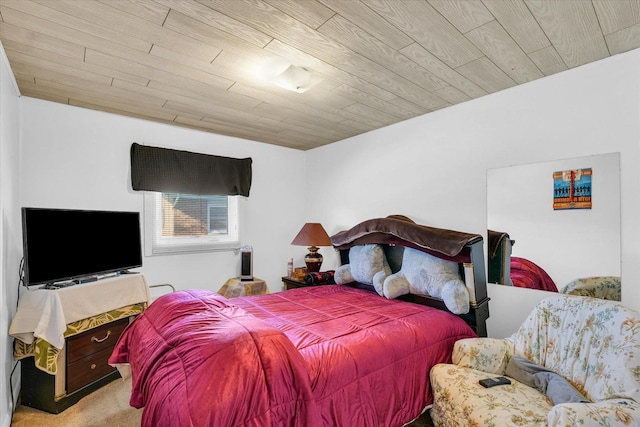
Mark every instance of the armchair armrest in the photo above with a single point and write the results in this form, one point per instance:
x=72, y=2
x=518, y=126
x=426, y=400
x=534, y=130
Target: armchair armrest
x=489, y=355
x=610, y=413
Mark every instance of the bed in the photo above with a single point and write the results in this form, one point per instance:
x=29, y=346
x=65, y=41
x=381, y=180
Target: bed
x=319, y=355
x=514, y=271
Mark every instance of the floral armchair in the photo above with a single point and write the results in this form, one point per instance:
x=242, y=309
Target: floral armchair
x=606, y=287
x=593, y=344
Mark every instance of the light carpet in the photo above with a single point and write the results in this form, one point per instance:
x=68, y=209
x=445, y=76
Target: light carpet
x=106, y=407
x=109, y=407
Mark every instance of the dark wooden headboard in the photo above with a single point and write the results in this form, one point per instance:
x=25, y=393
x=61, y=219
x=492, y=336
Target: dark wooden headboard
x=397, y=232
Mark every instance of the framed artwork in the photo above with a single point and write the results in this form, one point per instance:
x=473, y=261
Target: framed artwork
x=572, y=189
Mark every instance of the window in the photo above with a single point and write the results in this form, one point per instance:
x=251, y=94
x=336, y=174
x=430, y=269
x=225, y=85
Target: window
x=186, y=223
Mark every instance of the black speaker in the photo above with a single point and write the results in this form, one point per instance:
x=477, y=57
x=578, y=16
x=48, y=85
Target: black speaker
x=246, y=270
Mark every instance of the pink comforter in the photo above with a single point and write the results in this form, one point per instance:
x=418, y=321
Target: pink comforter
x=324, y=355
x=527, y=274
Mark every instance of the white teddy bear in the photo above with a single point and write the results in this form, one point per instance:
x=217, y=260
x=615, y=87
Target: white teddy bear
x=367, y=264
x=422, y=273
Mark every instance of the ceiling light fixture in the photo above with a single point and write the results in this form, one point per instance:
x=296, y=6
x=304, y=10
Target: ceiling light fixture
x=297, y=79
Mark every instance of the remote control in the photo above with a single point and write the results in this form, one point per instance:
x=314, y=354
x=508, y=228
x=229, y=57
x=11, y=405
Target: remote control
x=492, y=382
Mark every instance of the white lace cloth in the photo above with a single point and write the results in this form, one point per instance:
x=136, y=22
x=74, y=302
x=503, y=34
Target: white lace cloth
x=45, y=313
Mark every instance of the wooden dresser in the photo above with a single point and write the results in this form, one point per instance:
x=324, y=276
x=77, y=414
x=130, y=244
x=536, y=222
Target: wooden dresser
x=88, y=354
x=82, y=325
x=85, y=369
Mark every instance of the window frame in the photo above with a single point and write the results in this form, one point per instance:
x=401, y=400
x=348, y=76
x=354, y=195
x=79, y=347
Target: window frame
x=181, y=245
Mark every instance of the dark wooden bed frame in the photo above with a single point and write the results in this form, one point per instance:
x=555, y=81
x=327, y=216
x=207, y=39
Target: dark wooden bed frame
x=471, y=263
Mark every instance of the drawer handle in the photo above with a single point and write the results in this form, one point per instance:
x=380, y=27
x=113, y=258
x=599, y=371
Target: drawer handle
x=94, y=339
x=93, y=366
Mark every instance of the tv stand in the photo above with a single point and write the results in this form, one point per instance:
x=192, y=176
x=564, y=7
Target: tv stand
x=95, y=314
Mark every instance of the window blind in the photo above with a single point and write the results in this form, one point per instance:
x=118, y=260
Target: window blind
x=176, y=171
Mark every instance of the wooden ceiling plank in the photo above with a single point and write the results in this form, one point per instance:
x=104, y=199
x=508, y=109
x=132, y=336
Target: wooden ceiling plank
x=120, y=109
x=486, y=74
x=358, y=40
x=197, y=90
x=230, y=71
x=103, y=95
x=183, y=97
x=503, y=51
x=43, y=11
x=408, y=106
x=202, y=103
x=208, y=34
x=13, y=33
x=29, y=88
x=420, y=55
x=452, y=95
x=39, y=68
x=373, y=102
x=548, y=61
x=517, y=20
x=222, y=128
x=370, y=21
x=57, y=31
x=614, y=16
x=218, y=21
x=144, y=9
x=355, y=124
x=319, y=140
x=309, y=12
x=153, y=68
x=241, y=118
x=623, y=40
x=365, y=122
x=288, y=30
x=465, y=15
x=426, y=26
x=63, y=61
x=104, y=16
x=371, y=113
x=312, y=128
x=573, y=29
x=286, y=110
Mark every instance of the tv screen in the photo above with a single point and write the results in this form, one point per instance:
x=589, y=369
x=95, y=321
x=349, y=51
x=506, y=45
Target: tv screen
x=63, y=244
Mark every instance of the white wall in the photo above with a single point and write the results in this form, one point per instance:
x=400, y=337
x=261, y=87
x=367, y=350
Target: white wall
x=10, y=248
x=567, y=244
x=433, y=168
x=79, y=158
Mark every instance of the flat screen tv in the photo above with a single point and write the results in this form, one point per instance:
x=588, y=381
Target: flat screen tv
x=65, y=245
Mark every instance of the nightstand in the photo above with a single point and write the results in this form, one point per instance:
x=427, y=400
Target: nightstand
x=290, y=283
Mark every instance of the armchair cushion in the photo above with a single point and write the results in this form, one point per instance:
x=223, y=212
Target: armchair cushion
x=489, y=355
x=460, y=401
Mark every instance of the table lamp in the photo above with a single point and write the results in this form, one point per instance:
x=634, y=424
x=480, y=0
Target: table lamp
x=312, y=235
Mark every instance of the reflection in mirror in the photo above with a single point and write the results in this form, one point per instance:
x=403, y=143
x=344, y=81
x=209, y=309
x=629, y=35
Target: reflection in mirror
x=532, y=245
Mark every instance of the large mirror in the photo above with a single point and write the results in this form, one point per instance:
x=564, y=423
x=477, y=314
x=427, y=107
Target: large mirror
x=571, y=250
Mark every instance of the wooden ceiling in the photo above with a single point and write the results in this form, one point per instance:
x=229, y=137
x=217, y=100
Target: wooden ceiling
x=206, y=64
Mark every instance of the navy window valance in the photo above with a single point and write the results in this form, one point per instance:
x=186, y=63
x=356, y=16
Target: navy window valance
x=175, y=171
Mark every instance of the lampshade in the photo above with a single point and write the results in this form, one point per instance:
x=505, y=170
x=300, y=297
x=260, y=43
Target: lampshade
x=312, y=235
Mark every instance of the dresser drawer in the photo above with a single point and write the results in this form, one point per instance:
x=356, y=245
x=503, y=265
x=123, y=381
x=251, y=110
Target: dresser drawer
x=88, y=369
x=94, y=340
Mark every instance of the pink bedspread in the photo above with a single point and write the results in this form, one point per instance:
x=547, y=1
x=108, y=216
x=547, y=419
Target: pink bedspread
x=324, y=355
x=527, y=274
